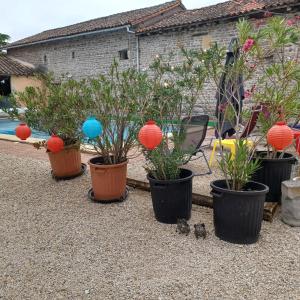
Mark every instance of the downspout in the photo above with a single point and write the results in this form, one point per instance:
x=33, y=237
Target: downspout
x=137, y=48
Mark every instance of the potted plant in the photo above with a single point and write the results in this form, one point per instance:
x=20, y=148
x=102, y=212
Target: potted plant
x=175, y=91
x=57, y=109
x=120, y=99
x=278, y=91
x=238, y=202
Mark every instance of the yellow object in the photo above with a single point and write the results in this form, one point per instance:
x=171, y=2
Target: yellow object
x=229, y=143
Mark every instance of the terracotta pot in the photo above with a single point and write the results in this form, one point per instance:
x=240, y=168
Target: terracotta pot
x=67, y=162
x=108, y=181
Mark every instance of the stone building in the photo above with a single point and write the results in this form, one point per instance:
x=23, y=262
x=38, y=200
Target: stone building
x=14, y=75
x=136, y=37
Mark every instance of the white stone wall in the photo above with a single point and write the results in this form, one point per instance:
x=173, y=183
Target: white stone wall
x=93, y=54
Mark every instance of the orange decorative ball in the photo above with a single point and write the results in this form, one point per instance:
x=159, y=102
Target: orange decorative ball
x=23, y=132
x=280, y=136
x=55, y=144
x=150, y=135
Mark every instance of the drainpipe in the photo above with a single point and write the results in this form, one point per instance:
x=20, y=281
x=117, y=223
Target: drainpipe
x=137, y=49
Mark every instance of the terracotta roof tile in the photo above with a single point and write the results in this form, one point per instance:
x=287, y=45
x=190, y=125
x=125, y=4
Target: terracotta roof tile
x=217, y=11
x=132, y=17
x=9, y=67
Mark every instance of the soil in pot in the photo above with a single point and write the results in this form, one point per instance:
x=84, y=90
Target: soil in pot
x=272, y=172
x=66, y=163
x=238, y=214
x=108, y=181
x=172, y=199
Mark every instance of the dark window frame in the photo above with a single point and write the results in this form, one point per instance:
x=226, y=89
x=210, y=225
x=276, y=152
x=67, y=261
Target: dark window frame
x=123, y=54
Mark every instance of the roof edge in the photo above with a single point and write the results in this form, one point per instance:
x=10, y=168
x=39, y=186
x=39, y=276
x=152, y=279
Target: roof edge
x=64, y=37
x=228, y=17
x=177, y=3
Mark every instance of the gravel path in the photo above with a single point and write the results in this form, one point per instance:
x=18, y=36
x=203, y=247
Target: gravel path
x=55, y=244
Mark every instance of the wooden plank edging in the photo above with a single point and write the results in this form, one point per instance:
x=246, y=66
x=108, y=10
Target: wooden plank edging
x=270, y=208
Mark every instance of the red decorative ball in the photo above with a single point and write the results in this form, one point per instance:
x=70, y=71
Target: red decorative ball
x=150, y=135
x=55, y=144
x=23, y=132
x=280, y=136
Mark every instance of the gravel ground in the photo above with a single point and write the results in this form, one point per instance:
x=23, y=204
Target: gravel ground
x=55, y=244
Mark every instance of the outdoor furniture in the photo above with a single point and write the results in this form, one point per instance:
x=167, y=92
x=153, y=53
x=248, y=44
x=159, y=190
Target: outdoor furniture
x=252, y=121
x=230, y=90
x=296, y=125
x=195, y=133
x=297, y=139
x=230, y=143
x=227, y=143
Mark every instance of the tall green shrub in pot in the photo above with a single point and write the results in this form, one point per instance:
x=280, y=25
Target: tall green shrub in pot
x=56, y=108
x=120, y=100
x=278, y=91
x=238, y=201
x=175, y=90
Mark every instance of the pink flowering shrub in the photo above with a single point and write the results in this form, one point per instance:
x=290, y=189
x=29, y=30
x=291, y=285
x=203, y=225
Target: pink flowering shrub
x=248, y=45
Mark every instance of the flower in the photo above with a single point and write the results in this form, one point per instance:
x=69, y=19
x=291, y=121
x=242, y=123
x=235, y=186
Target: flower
x=166, y=84
x=290, y=22
x=265, y=112
x=222, y=107
x=252, y=67
x=248, y=45
x=268, y=14
x=247, y=94
x=253, y=88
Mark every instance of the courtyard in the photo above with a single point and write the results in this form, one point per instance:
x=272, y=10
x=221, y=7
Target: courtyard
x=57, y=244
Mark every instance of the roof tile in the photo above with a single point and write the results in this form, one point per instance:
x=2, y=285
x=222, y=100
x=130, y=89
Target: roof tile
x=9, y=67
x=213, y=12
x=132, y=17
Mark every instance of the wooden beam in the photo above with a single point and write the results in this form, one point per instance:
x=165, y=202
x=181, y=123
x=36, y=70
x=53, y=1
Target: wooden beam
x=270, y=208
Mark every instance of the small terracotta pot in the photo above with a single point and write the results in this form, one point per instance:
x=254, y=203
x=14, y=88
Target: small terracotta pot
x=108, y=181
x=67, y=162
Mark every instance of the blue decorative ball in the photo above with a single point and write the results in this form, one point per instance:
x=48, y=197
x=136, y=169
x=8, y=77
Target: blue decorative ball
x=92, y=128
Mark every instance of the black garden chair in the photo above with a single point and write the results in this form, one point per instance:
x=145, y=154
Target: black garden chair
x=195, y=132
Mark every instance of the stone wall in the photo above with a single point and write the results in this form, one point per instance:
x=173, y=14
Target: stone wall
x=201, y=37
x=93, y=54
x=80, y=57
x=164, y=43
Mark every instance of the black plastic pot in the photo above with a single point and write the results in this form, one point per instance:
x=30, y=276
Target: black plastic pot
x=172, y=199
x=272, y=172
x=238, y=214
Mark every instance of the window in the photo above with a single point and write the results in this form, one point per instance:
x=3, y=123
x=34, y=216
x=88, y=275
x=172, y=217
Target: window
x=123, y=54
x=202, y=40
x=73, y=54
x=45, y=59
